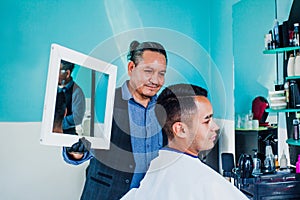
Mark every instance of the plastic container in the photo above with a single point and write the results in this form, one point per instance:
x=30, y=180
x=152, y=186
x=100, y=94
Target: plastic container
x=291, y=66
x=279, y=93
x=269, y=161
x=294, y=95
x=278, y=99
x=297, y=65
x=256, y=163
x=296, y=129
x=296, y=34
x=287, y=94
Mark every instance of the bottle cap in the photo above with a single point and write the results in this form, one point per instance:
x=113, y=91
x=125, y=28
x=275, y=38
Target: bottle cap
x=295, y=122
x=255, y=153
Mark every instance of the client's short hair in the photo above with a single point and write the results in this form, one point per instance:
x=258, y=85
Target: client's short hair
x=177, y=103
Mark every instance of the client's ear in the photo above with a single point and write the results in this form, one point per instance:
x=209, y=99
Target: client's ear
x=180, y=129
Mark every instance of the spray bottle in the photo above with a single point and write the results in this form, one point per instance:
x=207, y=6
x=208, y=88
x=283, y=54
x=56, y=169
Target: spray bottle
x=283, y=161
x=269, y=161
x=256, y=163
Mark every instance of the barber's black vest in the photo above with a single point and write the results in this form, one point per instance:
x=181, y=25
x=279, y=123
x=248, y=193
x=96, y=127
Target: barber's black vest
x=110, y=172
x=68, y=93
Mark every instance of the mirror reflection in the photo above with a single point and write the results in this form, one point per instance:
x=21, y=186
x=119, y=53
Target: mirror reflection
x=74, y=97
x=80, y=101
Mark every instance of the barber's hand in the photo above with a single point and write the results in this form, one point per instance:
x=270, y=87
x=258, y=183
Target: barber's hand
x=77, y=150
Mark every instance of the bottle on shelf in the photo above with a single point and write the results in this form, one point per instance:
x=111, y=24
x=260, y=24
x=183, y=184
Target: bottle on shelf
x=298, y=165
x=272, y=43
x=250, y=119
x=294, y=101
x=256, y=163
x=296, y=129
x=268, y=41
x=291, y=66
x=283, y=161
x=276, y=34
x=287, y=95
x=296, y=34
x=291, y=38
x=276, y=162
x=297, y=65
x=269, y=161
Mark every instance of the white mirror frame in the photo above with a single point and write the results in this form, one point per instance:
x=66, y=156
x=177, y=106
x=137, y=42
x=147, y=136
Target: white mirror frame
x=58, y=53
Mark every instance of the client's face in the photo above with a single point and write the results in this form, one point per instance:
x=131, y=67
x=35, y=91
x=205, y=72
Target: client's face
x=203, y=132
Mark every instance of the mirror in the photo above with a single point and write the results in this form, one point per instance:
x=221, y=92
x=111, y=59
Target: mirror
x=88, y=88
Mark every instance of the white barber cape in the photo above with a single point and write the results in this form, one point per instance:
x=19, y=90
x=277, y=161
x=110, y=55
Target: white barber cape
x=175, y=175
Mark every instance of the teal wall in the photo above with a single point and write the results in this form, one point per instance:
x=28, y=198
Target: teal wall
x=251, y=72
x=222, y=54
x=198, y=36
x=29, y=27
x=254, y=72
x=27, y=30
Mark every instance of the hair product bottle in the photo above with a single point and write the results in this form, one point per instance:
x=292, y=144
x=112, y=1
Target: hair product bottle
x=298, y=165
x=276, y=33
x=269, y=161
x=256, y=163
x=296, y=129
x=283, y=161
x=296, y=34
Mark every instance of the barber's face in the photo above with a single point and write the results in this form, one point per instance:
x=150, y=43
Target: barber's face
x=203, y=133
x=148, y=76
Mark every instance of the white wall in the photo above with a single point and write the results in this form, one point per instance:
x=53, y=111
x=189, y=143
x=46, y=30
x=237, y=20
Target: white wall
x=33, y=171
x=226, y=139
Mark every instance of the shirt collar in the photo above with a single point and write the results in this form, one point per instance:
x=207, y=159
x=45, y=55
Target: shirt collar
x=126, y=95
x=177, y=151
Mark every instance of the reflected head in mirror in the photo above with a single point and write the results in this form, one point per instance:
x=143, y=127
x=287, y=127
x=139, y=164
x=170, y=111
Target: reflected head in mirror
x=146, y=69
x=66, y=69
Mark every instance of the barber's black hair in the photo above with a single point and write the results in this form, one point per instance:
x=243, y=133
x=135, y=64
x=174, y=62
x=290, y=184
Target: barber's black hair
x=137, y=49
x=177, y=103
x=67, y=65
